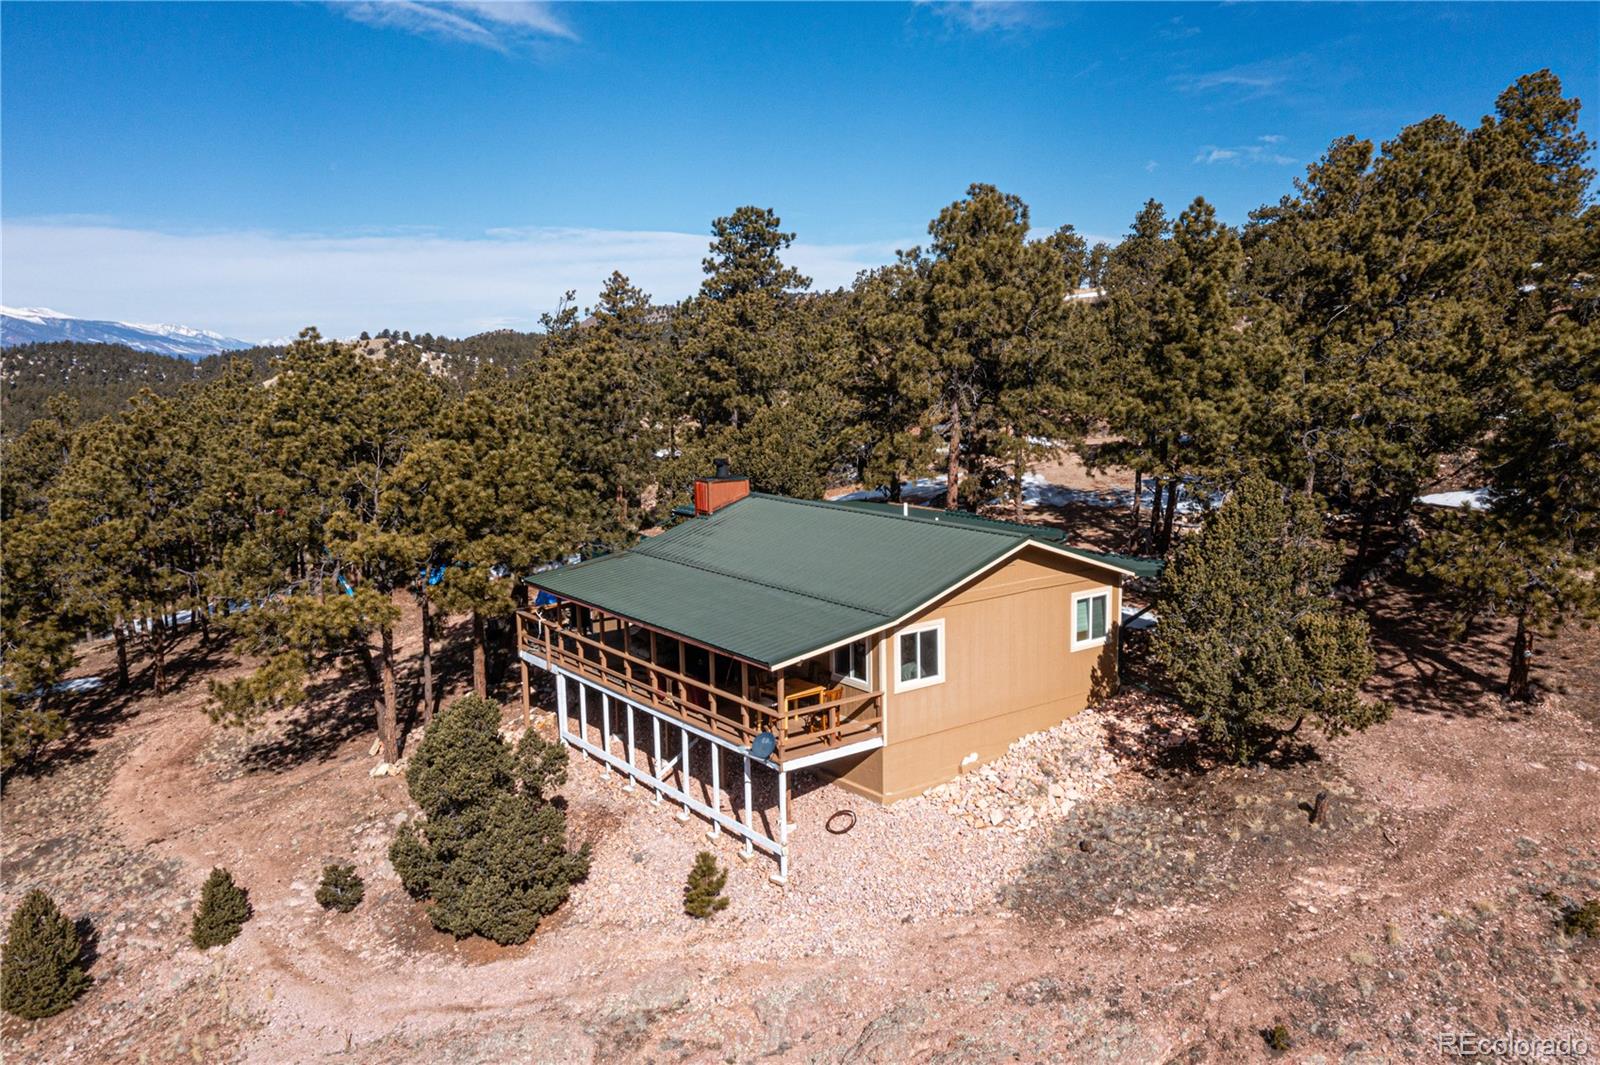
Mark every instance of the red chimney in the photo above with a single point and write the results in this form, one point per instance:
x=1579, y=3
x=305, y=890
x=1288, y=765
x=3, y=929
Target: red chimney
x=711, y=494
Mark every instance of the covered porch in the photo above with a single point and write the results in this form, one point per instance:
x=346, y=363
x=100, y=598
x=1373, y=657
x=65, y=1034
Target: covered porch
x=813, y=710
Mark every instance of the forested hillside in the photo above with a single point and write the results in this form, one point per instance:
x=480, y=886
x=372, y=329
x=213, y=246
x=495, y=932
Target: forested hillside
x=1431, y=296
x=99, y=378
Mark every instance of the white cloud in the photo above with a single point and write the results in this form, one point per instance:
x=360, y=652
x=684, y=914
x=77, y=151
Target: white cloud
x=1271, y=138
x=1248, y=81
x=486, y=23
x=985, y=16
x=1245, y=154
x=259, y=285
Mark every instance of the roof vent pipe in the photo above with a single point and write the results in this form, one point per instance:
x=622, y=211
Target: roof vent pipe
x=905, y=509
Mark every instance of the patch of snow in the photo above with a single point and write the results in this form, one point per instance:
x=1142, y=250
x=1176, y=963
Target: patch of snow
x=1469, y=499
x=1147, y=620
x=1037, y=492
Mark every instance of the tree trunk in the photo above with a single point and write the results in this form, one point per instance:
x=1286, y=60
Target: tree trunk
x=894, y=488
x=1138, y=503
x=1016, y=501
x=388, y=715
x=952, y=486
x=121, y=635
x=427, y=662
x=1519, y=685
x=480, y=656
x=158, y=650
x=1155, y=511
x=1166, y=519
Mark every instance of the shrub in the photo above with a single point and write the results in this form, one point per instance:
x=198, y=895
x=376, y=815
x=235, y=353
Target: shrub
x=491, y=855
x=1277, y=1038
x=1582, y=920
x=341, y=889
x=41, y=964
x=702, y=893
x=224, y=908
x=1250, y=639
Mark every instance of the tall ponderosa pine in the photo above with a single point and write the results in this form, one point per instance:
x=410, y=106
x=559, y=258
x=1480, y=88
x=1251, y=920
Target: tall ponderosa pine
x=338, y=539
x=892, y=382
x=761, y=362
x=37, y=631
x=1250, y=639
x=600, y=397
x=1533, y=555
x=995, y=308
x=1190, y=356
x=490, y=498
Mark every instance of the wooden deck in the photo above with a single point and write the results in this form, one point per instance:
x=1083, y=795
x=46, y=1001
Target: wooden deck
x=732, y=699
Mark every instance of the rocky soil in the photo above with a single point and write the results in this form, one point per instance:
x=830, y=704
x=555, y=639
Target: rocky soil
x=1130, y=902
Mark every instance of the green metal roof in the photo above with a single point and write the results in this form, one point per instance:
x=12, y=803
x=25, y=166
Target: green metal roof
x=772, y=579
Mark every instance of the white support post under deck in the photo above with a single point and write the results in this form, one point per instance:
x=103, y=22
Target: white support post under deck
x=742, y=823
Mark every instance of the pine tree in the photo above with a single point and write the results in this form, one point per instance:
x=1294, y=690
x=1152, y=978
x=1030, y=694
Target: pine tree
x=1532, y=555
x=341, y=888
x=41, y=964
x=223, y=910
x=491, y=855
x=702, y=893
x=1190, y=356
x=600, y=398
x=489, y=497
x=892, y=384
x=995, y=307
x=760, y=363
x=1249, y=638
x=333, y=536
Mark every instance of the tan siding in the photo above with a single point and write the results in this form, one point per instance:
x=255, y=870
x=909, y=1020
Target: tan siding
x=1009, y=670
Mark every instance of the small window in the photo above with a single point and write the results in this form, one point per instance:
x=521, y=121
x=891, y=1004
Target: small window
x=920, y=653
x=850, y=663
x=1090, y=618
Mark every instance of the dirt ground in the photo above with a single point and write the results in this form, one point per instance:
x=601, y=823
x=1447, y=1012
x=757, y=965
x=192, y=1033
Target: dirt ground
x=1167, y=911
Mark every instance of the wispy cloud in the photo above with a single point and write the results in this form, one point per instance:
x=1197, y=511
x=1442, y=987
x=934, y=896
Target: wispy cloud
x=485, y=23
x=1248, y=81
x=261, y=285
x=1246, y=154
x=986, y=16
x=1176, y=29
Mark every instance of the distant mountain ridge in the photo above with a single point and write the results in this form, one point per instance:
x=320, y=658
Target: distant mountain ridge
x=34, y=325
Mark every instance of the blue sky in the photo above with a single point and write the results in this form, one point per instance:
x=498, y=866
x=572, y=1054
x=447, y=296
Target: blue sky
x=252, y=168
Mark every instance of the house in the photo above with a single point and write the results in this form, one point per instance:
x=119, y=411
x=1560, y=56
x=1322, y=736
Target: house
x=886, y=647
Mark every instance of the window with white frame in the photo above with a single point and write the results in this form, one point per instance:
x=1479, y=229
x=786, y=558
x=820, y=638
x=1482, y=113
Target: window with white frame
x=1091, y=618
x=919, y=656
x=850, y=664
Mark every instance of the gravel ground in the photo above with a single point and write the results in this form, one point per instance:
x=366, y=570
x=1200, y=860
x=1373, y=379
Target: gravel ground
x=944, y=854
x=928, y=933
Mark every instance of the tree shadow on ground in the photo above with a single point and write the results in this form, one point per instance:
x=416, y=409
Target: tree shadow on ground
x=1097, y=528
x=338, y=707
x=1422, y=668
x=93, y=714
x=1165, y=745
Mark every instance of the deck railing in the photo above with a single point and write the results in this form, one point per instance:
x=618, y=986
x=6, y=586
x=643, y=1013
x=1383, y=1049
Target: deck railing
x=838, y=717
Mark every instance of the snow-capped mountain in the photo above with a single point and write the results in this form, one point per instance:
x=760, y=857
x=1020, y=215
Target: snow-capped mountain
x=27, y=325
